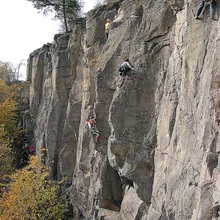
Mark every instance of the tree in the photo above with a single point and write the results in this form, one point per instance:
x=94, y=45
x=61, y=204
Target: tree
x=64, y=9
x=9, y=73
x=31, y=195
x=10, y=96
x=17, y=73
x=6, y=72
x=8, y=122
x=6, y=158
x=8, y=129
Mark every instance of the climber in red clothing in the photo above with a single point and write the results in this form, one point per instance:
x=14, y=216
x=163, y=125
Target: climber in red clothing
x=93, y=129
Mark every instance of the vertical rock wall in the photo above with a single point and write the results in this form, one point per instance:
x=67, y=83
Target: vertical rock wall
x=159, y=149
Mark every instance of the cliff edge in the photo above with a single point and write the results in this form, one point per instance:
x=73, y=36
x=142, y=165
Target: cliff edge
x=159, y=145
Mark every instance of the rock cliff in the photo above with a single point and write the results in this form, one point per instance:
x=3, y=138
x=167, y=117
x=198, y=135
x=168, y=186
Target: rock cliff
x=158, y=153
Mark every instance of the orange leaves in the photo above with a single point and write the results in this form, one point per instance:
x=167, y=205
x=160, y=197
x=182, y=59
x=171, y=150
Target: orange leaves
x=31, y=195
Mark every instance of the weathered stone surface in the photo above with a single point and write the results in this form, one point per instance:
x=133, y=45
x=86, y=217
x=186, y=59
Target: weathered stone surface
x=131, y=199
x=159, y=153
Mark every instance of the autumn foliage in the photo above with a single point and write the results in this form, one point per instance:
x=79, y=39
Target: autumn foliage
x=30, y=195
x=25, y=194
x=8, y=128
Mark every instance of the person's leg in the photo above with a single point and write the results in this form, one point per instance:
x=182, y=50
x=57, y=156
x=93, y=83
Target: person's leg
x=97, y=136
x=106, y=35
x=123, y=73
x=199, y=9
x=121, y=70
x=212, y=8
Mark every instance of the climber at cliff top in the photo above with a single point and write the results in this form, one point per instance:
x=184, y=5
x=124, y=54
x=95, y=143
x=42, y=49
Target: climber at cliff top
x=125, y=68
x=92, y=128
x=202, y=6
x=107, y=28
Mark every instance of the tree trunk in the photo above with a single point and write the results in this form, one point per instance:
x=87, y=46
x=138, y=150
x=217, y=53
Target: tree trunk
x=64, y=16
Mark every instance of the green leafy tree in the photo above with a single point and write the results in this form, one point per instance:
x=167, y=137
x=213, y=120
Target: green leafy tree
x=31, y=195
x=65, y=10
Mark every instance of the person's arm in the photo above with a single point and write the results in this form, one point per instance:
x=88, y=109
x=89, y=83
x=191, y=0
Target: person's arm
x=129, y=65
x=86, y=125
x=94, y=116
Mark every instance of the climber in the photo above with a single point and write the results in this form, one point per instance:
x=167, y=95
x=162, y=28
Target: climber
x=202, y=6
x=125, y=68
x=107, y=28
x=32, y=149
x=92, y=128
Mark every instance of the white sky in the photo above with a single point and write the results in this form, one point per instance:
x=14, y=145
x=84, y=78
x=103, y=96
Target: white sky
x=24, y=30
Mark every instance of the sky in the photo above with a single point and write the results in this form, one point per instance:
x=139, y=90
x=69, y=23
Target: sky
x=24, y=30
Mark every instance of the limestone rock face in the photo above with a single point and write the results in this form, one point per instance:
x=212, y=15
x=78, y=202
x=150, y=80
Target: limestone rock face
x=159, y=145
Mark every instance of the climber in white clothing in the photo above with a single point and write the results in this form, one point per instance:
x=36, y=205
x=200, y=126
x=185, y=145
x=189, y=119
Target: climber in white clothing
x=125, y=67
